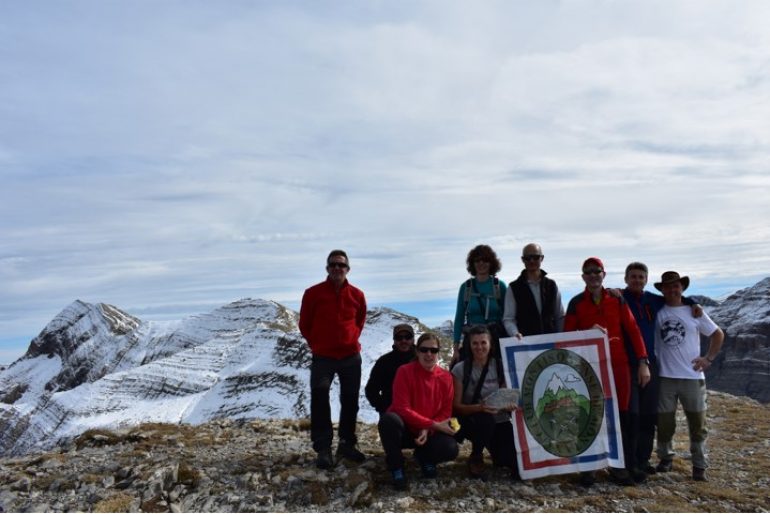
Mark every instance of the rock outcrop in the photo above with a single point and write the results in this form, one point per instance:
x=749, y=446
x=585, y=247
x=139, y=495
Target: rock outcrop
x=743, y=366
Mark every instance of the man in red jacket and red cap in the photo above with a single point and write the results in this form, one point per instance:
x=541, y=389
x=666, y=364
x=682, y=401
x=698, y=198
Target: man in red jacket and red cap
x=331, y=319
x=597, y=308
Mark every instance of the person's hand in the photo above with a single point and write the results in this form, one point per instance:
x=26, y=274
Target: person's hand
x=487, y=409
x=697, y=311
x=614, y=291
x=444, y=427
x=422, y=437
x=701, y=364
x=599, y=327
x=643, y=374
x=518, y=335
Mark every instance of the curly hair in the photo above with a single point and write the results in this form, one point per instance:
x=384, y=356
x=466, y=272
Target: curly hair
x=483, y=252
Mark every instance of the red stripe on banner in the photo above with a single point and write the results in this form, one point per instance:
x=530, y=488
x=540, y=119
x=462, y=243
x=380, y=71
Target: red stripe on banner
x=603, y=359
x=526, y=461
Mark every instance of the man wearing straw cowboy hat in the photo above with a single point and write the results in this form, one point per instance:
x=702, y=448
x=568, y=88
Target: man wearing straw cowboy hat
x=677, y=346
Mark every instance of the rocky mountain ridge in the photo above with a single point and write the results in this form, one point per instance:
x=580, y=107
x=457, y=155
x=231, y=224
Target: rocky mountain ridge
x=96, y=366
x=743, y=365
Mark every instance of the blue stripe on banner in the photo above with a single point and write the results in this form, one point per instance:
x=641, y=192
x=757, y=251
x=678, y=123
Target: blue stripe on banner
x=611, y=433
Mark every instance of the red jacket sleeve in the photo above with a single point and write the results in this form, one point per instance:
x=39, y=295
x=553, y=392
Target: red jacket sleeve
x=361, y=315
x=632, y=330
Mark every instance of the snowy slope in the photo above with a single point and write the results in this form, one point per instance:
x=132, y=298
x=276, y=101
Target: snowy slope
x=96, y=366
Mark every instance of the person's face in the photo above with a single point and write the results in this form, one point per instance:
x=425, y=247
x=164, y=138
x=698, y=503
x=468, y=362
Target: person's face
x=673, y=292
x=337, y=268
x=636, y=279
x=532, y=257
x=481, y=265
x=427, y=354
x=403, y=341
x=480, y=347
x=593, y=276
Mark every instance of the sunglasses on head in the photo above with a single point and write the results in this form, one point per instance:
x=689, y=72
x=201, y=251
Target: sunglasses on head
x=338, y=265
x=534, y=257
x=425, y=349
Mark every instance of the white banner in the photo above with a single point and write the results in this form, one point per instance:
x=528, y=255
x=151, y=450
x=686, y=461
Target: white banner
x=568, y=420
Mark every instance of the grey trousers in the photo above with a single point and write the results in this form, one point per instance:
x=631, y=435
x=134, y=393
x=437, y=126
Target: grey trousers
x=691, y=393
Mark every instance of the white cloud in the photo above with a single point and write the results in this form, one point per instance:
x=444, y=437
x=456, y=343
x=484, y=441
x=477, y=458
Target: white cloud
x=162, y=155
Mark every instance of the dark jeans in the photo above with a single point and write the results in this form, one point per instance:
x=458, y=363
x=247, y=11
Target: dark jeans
x=322, y=371
x=648, y=418
x=394, y=435
x=629, y=424
x=484, y=432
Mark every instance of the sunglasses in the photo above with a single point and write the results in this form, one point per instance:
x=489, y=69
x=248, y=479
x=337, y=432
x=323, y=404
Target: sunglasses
x=531, y=258
x=341, y=265
x=593, y=271
x=425, y=349
x=405, y=337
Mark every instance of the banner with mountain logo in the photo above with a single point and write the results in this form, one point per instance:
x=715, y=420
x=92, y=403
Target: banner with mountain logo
x=568, y=420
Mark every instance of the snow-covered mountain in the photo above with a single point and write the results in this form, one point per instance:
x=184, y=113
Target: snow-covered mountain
x=97, y=366
x=743, y=365
x=555, y=384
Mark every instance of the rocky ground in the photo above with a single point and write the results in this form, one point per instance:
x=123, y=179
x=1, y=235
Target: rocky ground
x=268, y=466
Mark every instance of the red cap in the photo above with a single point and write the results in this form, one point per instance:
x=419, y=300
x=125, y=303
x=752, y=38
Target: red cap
x=594, y=260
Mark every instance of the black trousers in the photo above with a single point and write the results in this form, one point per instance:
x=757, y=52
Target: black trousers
x=648, y=418
x=629, y=424
x=484, y=432
x=322, y=371
x=395, y=436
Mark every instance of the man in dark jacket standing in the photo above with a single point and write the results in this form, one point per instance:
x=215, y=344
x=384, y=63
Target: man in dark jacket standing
x=533, y=302
x=331, y=319
x=379, y=388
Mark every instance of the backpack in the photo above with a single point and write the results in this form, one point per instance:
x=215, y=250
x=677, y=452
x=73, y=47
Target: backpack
x=470, y=288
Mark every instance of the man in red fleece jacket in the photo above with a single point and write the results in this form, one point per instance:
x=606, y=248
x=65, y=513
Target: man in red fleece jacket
x=597, y=308
x=331, y=319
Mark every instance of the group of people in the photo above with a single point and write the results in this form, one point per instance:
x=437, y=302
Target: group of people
x=654, y=348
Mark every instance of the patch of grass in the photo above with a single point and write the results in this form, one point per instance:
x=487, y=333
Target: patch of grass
x=120, y=502
x=188, y=475
x=97, y=437
x=155, y=504
x=91, y=478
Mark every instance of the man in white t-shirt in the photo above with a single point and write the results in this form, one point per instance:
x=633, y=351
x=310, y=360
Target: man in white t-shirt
x=678, y=349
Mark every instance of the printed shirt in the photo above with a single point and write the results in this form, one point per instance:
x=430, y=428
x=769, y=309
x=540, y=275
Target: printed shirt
x=677, y=341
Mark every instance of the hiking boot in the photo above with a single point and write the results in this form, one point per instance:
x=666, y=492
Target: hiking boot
x=587, y=478
x=649, y=469
x=699, y=474
x=476, y=467
x=664, y=466
x=324, y=459
x=621, y=476
x=638, y=475
x=428, y=470
x=399, y=480
x=349, y=451
x=515, y=473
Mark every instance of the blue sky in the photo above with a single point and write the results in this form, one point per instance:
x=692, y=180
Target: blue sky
x=170, y=157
